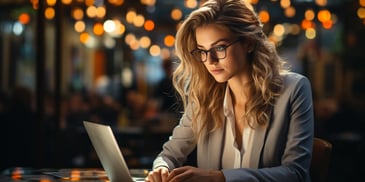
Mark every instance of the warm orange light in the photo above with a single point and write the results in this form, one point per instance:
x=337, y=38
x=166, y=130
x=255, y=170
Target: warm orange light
x=17, y=173
x=24, y=18
x=294, y=29
x=307, y=24
x=66, y=1
x=84, y=37
x=89, y=2
x=176, y=14
x=98, y=29
x=290, y=12
x=362, y=2
x=134, y=45
x=361, y=13
x=129, y=38
x=145, y=41
x=100, y=11
x=321, y=2
x=77, y=13
x=254, y=1
x=91, y=11
x=51, y=2
x=327, y=24
x=49, y=13
x=324, y=15
x=264, y=16
x=148, y=2
x=285, y=3
x=139, y=20
x=79, y=26
x=191, y=3
x=34, y=3
x=131, y=14
x=121, y=29
x=116, y=2
x=169, y=40
x=279, y=30
x=149, y=25
x=75, y=175
x=155, y=50
x=309, y=14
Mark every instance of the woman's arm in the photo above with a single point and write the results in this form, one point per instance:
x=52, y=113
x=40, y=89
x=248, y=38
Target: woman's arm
x=180, y=144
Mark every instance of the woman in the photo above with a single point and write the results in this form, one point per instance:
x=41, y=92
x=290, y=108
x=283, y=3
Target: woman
x=249, y=118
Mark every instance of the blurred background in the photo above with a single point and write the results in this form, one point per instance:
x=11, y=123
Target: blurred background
x=110, y=61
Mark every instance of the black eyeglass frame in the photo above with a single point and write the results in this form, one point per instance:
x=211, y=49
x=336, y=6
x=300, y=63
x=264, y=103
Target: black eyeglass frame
x=213, y=51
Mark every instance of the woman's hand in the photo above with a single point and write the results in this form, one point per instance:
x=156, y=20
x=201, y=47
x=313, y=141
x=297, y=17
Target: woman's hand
x=192, y=174
x=158, y=175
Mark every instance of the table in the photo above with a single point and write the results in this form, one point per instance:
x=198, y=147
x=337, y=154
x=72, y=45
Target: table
x=20, y=174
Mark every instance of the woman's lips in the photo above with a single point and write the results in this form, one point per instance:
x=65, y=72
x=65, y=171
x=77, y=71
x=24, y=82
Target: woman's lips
x=216, y=71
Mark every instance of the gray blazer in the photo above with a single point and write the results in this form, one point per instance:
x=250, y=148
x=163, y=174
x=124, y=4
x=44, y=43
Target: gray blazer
x=281, y=150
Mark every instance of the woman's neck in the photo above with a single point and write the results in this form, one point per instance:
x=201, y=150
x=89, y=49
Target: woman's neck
x=240, y=90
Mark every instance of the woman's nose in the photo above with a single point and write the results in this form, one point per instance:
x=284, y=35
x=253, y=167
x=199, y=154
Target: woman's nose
x=212, y=58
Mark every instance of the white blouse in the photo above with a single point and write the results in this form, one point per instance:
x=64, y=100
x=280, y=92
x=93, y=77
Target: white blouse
x=234, y=157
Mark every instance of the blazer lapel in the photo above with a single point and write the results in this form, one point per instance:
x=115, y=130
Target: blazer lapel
x=258, y=142
x=210, y=149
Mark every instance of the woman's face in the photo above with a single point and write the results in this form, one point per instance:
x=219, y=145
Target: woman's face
x=214, y=37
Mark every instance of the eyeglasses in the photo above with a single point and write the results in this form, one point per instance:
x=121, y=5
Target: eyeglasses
x=217, y=52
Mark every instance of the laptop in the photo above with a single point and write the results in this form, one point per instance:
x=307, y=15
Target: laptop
x=108, y=152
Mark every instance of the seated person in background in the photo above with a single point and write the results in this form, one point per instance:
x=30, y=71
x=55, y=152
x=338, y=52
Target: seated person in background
x=249, y=118
x=165, y=92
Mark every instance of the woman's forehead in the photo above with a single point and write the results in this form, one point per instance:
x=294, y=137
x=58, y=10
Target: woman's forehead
x=211, y=34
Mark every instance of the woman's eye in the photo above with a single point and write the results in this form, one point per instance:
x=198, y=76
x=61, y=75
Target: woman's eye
x=219, y=48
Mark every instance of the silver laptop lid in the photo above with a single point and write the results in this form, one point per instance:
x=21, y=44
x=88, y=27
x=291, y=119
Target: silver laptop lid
x=107, y=149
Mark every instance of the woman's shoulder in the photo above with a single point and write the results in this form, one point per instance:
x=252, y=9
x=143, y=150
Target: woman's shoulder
x=293, y=77
x=293, y=80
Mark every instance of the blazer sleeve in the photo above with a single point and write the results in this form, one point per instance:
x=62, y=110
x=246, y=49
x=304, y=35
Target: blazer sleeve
x=288, y=146
x=180, y=144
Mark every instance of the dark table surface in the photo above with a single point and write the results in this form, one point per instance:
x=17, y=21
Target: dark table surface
x=20, y=174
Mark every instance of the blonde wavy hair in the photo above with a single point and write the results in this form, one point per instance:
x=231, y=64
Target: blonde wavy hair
x=197, y=87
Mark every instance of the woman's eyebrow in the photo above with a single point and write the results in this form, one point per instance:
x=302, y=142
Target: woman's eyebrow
x=214, y=43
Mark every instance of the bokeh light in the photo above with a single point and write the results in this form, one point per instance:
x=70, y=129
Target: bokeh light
x=191, y=3
x=84, y=37
x=155, y=50
x=310, y=33
x=139, y=20
x=131, y=14
x=149, y=25
x=109, y=26
x=145, y=41
x=24, y=18
x=116, y=2
x=324, y=15
x=66, y=2
x=51, y=2
x=169, y=40
x=49, y=13
x=176, y=14
x=91, y=11
x=264, y=16
x=79, y=26
x=290, y=12
x=98, y=29
x=309, y=14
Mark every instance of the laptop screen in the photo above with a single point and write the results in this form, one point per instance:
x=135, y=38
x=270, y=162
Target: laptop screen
x=107, y=149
